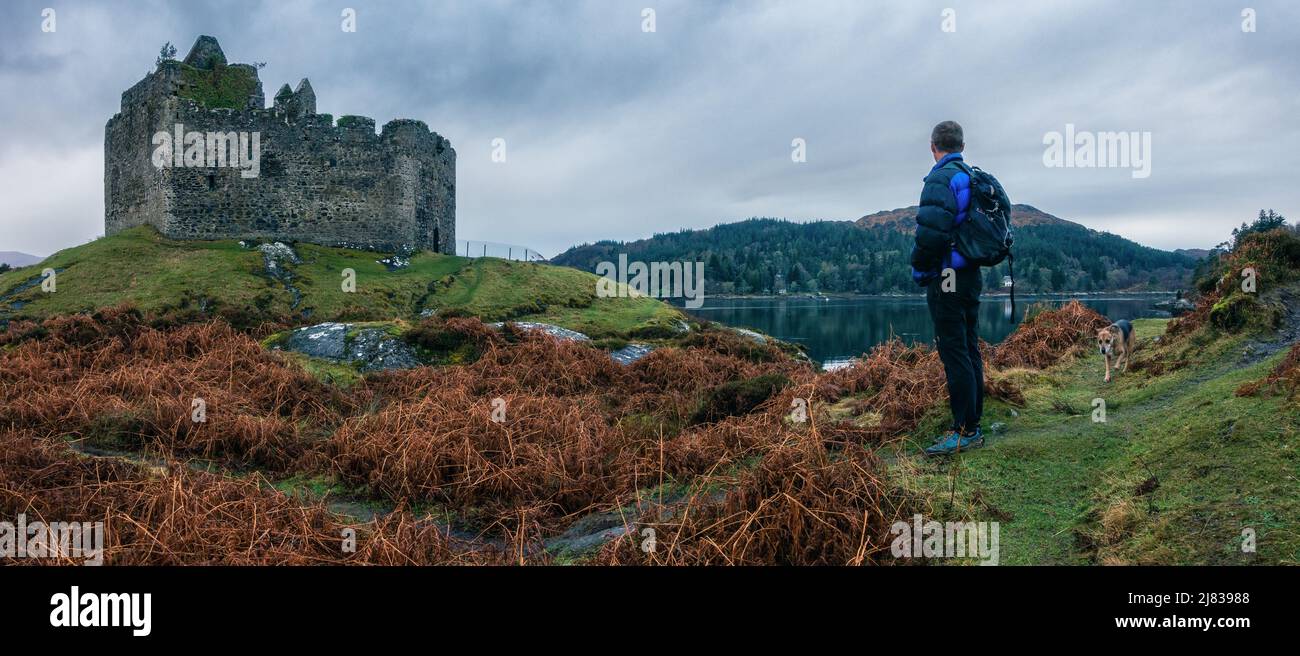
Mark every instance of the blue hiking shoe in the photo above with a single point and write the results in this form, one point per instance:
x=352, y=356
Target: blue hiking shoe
x=955, y=442
x=943, y=436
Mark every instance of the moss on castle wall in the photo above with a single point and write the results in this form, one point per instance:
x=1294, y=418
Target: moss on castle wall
x=223, y=87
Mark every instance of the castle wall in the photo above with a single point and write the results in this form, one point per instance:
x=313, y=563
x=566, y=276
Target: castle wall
x=318, y=182
x=136, y=193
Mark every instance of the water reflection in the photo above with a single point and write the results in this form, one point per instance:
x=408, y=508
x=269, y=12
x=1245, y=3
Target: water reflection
x=840, y=328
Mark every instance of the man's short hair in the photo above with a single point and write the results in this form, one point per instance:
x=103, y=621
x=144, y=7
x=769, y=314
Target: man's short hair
x=948, y=137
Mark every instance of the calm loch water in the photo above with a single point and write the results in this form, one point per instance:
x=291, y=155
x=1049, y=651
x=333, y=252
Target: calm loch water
x=834, y=329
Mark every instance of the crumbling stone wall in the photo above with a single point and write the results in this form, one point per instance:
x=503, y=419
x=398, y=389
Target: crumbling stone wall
x=318, y=182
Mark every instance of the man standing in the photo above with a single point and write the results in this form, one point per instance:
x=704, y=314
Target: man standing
x=952, y=286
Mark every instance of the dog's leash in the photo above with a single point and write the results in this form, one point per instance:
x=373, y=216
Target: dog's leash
x=1011, y=271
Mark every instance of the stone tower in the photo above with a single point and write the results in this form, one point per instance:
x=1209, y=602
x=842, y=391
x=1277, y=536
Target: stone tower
x=195, y=153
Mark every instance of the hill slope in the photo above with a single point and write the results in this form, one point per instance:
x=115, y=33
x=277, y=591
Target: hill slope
x=1180, y=467
x=1193, y=460
x=871, y=256
x=224, y=277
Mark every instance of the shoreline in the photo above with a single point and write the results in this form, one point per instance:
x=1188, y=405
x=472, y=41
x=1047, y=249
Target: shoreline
x=997, y=294
x=833, y=355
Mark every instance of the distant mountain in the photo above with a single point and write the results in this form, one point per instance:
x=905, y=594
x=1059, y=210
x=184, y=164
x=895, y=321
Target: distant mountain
x=16, y=259
x=872, y=255
x=1195, y=253
x=905, y=218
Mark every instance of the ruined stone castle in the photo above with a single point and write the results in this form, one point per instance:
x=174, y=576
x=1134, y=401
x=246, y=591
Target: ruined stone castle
x=195, y=153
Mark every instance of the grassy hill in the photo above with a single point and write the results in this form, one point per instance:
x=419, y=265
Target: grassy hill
x=226, y=278
x=1180, y=466
x=1197, y=447
x=1195, y=458
x=872, y=256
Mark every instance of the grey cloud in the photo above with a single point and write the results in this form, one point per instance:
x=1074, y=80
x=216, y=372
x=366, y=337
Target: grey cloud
x=613, y=133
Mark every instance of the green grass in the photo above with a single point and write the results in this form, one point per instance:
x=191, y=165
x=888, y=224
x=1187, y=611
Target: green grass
x=222, y=86
x=380, y=294
x=157, y=274
x=141, y=266
x=1070, y=490
x=339, y=374
x=311, y=487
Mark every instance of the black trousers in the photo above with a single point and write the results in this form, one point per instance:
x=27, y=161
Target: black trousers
x=956, y=315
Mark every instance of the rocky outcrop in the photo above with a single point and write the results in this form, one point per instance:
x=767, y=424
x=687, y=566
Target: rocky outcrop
x=1176, y=306
x=366, y=348
x=550, y=329
x=631, y=353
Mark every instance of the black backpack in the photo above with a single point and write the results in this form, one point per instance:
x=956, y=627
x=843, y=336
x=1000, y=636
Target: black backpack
x=984, y=238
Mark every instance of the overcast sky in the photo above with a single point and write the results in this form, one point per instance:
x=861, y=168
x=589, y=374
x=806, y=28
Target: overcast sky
x=613, y=132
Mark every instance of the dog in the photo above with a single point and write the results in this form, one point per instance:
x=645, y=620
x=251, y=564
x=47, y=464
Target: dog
x=1116, y=340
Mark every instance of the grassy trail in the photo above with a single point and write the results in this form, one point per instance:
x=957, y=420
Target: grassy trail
x=1175, y=472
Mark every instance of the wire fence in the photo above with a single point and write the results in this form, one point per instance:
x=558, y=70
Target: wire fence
x=470, y=248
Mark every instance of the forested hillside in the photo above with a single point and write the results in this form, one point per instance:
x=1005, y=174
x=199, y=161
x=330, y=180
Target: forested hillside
x=871, y=256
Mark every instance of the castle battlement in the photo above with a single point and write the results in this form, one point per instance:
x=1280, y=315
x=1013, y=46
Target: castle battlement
x=314, y=180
